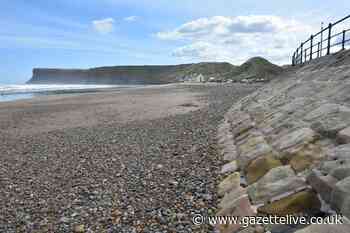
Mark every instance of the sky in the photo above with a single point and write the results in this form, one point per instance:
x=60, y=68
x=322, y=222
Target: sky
x=92, y=33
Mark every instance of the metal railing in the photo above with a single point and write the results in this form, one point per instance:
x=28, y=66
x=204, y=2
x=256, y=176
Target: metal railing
x=325, y=42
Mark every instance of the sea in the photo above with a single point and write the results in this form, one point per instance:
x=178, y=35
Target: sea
x=27, y=91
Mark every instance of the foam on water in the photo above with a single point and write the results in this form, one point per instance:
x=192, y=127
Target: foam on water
x=35, y=88
x=26, y=91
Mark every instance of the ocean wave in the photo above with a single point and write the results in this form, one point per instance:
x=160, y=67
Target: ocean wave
x=36, y=88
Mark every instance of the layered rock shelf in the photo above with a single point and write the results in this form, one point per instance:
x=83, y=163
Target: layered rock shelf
x=287, y=149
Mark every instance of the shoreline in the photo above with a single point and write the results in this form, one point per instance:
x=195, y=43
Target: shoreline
x=132, y=161
x=26, y=95
x=48, y=90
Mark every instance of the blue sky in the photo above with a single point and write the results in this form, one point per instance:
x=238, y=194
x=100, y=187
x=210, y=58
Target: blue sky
x=90, y=33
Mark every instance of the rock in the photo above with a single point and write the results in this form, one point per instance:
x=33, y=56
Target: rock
x=342, y=171
x=224, y=127
x=248, y=230
x=302, y=202
x=240, y=208
x=295, y=103
x=327, y=166
x=277, y=181
x=229, y=153
x=300, y=149
x=300, y=162
x=259, y=167
x=225, y=138
x=226, y=144
x=324, y=185
x=325, y=228
x=339, y=152
x=252, y=149
x=229, y=167
x=343, y=136
x=232, y=196
x=173, y=182
x=281, y=228
x=224, y=134
x=295, y=138
x=341, y=197
x=322, y=111
x=330, y=126
x=229, y=183
x=270, y=120
x=259, y=229
x=250, y=143
x=238, y=118
x=242, y=127
x=79, y=228
x=243, y=138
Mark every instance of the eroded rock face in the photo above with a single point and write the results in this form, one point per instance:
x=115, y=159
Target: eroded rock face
x=277, y=181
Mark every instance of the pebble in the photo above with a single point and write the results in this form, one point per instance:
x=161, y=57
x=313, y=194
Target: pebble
x=156, y=173
x=79, y=229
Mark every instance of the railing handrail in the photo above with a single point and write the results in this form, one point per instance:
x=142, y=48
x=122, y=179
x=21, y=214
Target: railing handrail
x=301, y=54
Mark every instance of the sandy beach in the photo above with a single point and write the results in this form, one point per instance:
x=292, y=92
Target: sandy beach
x=140, y=160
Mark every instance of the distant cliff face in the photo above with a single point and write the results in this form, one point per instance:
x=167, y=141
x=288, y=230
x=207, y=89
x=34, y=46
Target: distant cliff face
x=254, y=68
x=109, y=75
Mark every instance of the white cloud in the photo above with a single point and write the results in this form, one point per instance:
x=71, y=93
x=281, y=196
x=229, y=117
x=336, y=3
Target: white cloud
x=104, y=26
x=235, y=39
x=131, y=18
x=202, y=51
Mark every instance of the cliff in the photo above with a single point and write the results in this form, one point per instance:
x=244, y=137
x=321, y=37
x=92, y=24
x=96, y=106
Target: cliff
x=126, y=74
x=253, y=69
x=256, y=68
x=108, y=75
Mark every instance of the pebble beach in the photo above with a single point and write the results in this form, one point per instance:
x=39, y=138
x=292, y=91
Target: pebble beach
x=142, y=160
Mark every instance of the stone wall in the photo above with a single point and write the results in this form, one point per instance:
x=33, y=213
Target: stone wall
x=287, y=148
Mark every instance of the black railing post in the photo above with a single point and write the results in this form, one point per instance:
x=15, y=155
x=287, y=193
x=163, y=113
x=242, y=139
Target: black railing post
x=305, y=55
x=293, y=59
x=298, y=56
x=343, y=43
x=311, y=43
x=318, y=49
x=329, y=38
x=301, y=53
